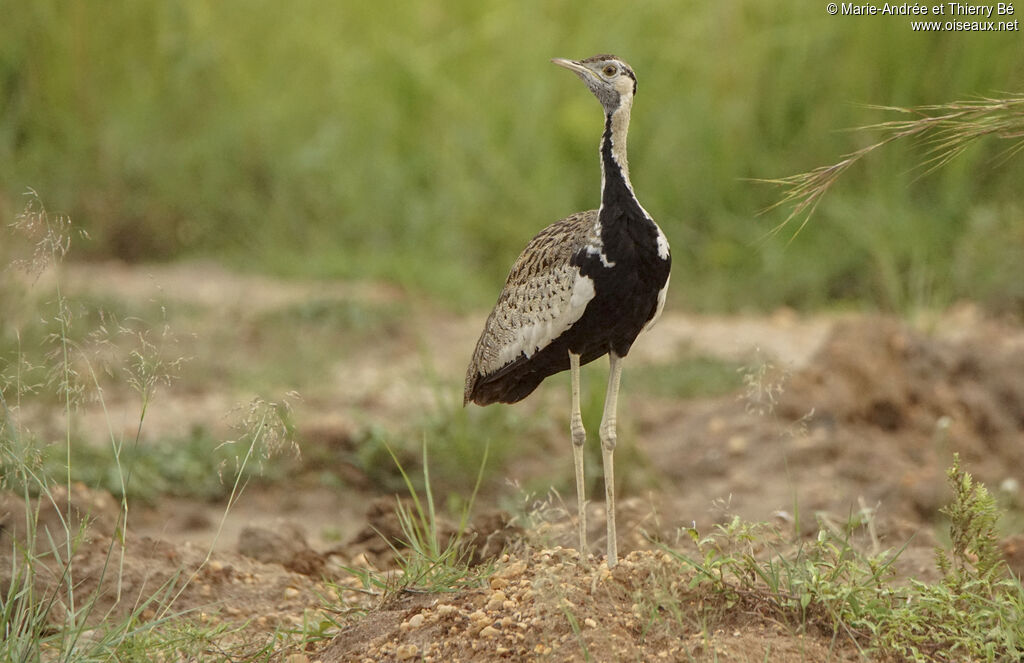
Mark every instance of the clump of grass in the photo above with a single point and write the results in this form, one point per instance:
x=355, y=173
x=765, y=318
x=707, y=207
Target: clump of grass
x=432, y=561
x=946, y=130
x=971, y=613
x=431, y=556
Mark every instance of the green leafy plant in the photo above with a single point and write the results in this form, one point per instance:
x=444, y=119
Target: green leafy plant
x=972, y=613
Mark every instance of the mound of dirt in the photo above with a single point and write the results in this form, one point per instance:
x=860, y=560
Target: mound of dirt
x=865, y=430
x=882, y=374
x=545, y=606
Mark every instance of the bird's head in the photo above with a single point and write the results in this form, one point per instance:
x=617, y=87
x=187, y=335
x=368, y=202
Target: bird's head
x=610, y=79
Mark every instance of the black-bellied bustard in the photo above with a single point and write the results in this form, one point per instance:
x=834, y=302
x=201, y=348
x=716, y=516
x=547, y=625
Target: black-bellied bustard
x=584, y=287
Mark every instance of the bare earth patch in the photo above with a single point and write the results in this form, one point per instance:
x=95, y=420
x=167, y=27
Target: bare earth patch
x=837, y=416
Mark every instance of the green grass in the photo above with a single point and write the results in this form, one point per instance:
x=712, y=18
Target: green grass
x=424, y=146
x=193, y=467
x=691, y=377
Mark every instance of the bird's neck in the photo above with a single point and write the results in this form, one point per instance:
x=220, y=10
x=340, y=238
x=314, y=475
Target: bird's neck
x=616, y=188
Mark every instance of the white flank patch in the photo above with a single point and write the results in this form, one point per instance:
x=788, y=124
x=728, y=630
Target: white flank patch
x=662, y=253
x=661, y=296
x=547, y=324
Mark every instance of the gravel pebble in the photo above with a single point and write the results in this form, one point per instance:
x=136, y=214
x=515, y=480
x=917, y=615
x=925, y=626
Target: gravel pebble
x=496, y=601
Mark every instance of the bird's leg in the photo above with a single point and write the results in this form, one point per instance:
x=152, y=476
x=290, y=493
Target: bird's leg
x=608, y=439
x=579, y=436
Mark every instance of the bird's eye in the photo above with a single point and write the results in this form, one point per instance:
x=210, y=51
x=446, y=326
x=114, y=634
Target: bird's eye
x=609, y=70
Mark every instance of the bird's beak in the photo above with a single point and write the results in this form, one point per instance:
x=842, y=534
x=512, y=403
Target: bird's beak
x=575, y=67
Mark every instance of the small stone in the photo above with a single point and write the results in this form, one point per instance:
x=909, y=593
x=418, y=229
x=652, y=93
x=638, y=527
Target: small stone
x=445, y=609
x=496, y=600
x=291, y=592
x=489, y=632
x=717, y=424
x=478, y=617
x=498, y=583
x=737, y=445
x=416, y=620
x=405, y=652
x=511, y=572
x=590, y=623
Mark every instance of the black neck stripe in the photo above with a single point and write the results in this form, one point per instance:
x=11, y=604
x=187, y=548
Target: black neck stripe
x=616, y=195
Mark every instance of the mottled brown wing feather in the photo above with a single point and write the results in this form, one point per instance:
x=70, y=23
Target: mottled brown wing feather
x=543, y=295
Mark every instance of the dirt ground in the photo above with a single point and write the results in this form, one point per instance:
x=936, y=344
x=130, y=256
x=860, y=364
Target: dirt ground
x=839, y=415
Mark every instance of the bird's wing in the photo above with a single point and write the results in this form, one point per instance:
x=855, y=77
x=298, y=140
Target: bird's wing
x=543, y=296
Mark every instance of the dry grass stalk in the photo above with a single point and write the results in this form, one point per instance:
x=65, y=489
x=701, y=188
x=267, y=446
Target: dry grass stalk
x=946, y=129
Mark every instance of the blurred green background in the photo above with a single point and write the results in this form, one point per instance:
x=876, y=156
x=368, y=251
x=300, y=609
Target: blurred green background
x=425, y=143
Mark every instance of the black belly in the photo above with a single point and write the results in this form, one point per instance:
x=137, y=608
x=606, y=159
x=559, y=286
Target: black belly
x=625, y=300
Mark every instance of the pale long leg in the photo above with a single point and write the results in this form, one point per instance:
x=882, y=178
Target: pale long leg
x=608, y=439
x=579, y=437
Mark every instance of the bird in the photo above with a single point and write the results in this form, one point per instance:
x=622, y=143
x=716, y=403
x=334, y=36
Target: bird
x=584, y=287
